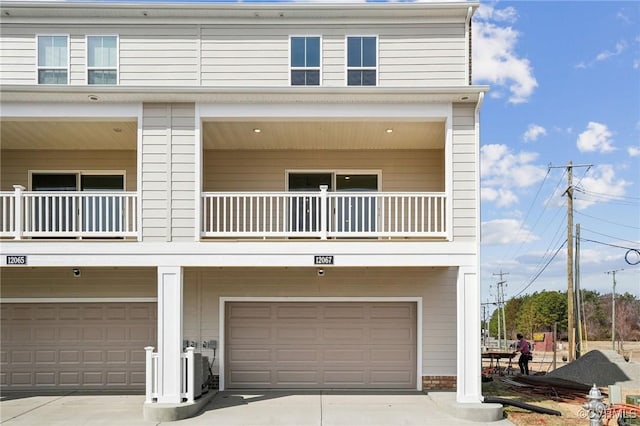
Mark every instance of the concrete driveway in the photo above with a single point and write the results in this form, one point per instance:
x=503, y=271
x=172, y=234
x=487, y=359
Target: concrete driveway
x=246, y=408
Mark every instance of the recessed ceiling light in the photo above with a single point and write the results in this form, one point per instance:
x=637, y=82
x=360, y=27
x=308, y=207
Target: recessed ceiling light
x=389, y=130
x=256, y=130
x=464, y=98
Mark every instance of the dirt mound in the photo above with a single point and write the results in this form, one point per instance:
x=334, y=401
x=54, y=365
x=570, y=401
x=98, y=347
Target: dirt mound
x=603, y=368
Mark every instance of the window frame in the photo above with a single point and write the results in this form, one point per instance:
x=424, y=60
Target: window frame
x=39, y=67
x=306, y=68
x=347, y=68
x=89, y=68
x=78, y=173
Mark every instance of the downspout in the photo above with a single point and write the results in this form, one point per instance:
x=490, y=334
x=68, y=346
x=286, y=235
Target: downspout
x=467, y=29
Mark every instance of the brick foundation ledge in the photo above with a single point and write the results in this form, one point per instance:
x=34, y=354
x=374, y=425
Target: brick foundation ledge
x=438, y=383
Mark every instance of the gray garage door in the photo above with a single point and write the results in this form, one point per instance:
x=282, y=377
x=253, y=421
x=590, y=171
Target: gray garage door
x=327, y=345
x=75, y=345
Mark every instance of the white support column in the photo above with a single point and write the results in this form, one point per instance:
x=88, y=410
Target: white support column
x=169, y=333
x=469, y=385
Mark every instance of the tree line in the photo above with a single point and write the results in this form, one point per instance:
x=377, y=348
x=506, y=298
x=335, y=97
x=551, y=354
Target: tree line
x=539, y=312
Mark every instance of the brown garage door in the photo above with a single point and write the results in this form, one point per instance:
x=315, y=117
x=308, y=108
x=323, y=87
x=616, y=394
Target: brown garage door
x=307, y=345
x=76, y=345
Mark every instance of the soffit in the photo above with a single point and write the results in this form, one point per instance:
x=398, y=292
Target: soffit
x=323, y=134
x=68, y=134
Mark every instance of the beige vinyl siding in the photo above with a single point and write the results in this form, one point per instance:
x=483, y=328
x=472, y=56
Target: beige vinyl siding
x=437, y=287
x=92, y=282
x=465, y=173
x=159, y=55
x=402, y=170
x=429, y=55
x=17, y=56
x=237, y=55
x=168, y=172
x=240, y=55
x=15, y=164
x=426, y=55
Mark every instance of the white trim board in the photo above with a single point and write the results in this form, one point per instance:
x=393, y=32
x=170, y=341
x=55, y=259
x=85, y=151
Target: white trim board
x=78, y=300
x=222, y=325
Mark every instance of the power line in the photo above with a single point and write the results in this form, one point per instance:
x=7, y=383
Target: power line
x=610, y=236
x=607, y=195
x=607, y=221
x=541, y=271
x=521, y=228
x=606, y=244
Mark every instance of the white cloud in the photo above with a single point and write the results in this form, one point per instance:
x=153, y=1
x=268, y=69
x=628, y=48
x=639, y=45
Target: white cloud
x=633, y=151
x=599, y=185
x=495, y=59
x=505, y=231
x=504, y=172
x=597, y=137
x=618, y=49
x=534, y=132
x=500, y=167
x=502, y=197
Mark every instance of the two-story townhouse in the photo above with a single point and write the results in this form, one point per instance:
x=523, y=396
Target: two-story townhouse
x=292, y=189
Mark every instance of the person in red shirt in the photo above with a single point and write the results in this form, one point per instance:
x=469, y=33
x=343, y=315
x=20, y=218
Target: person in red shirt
x=525, y=354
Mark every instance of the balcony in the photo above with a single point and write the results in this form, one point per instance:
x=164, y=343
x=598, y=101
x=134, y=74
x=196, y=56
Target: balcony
x=324, y=215
x=68, y=214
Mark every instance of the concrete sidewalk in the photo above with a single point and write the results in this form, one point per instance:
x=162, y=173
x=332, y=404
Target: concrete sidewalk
x=246, y=408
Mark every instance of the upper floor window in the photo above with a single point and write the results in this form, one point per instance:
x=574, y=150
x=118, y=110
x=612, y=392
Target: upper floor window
x=53, y=59
x=305, y=61
x=362, y=60
x=102, y=59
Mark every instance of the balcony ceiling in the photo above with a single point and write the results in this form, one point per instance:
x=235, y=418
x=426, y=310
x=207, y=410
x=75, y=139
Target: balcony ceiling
x=320, y=134
x=68, y=134
x=72, y=134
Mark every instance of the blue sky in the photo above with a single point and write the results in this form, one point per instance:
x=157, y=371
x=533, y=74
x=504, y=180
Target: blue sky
x=565, y=86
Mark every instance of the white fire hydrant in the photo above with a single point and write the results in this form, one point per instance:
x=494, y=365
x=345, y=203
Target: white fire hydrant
x=595, y=406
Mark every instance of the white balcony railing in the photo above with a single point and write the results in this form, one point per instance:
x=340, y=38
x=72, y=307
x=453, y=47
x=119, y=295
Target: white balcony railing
x=68, y=214
x=324, y=214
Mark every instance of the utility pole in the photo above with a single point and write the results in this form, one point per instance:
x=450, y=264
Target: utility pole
x=578, y=301
x=570, y=282
x=501, y=303
x=613, y=308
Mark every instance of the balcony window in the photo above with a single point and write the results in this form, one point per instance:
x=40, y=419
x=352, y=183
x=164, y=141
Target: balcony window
x=61, y=213
x=102, y=59
x=305, y=61
x=53, y=59
x=362, y=60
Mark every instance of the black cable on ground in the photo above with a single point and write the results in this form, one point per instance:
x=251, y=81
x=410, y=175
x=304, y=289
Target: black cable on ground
x=519, y=404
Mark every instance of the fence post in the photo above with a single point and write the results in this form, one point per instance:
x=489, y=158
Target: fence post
x=190, y=372
x=18, y=211
x=323, y=212
x=149, y=374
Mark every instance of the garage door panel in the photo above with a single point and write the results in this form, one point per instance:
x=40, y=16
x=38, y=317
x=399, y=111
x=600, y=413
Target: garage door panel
x=77, y=346
x=296, y=333
x=388, y=335
x=345, y=355
x=400, y=311
x=321, y=344
x=255, y=312
x=295, y=312
x=297, y=377
x=391, y=355
x=291, y=355
x=348, y=311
